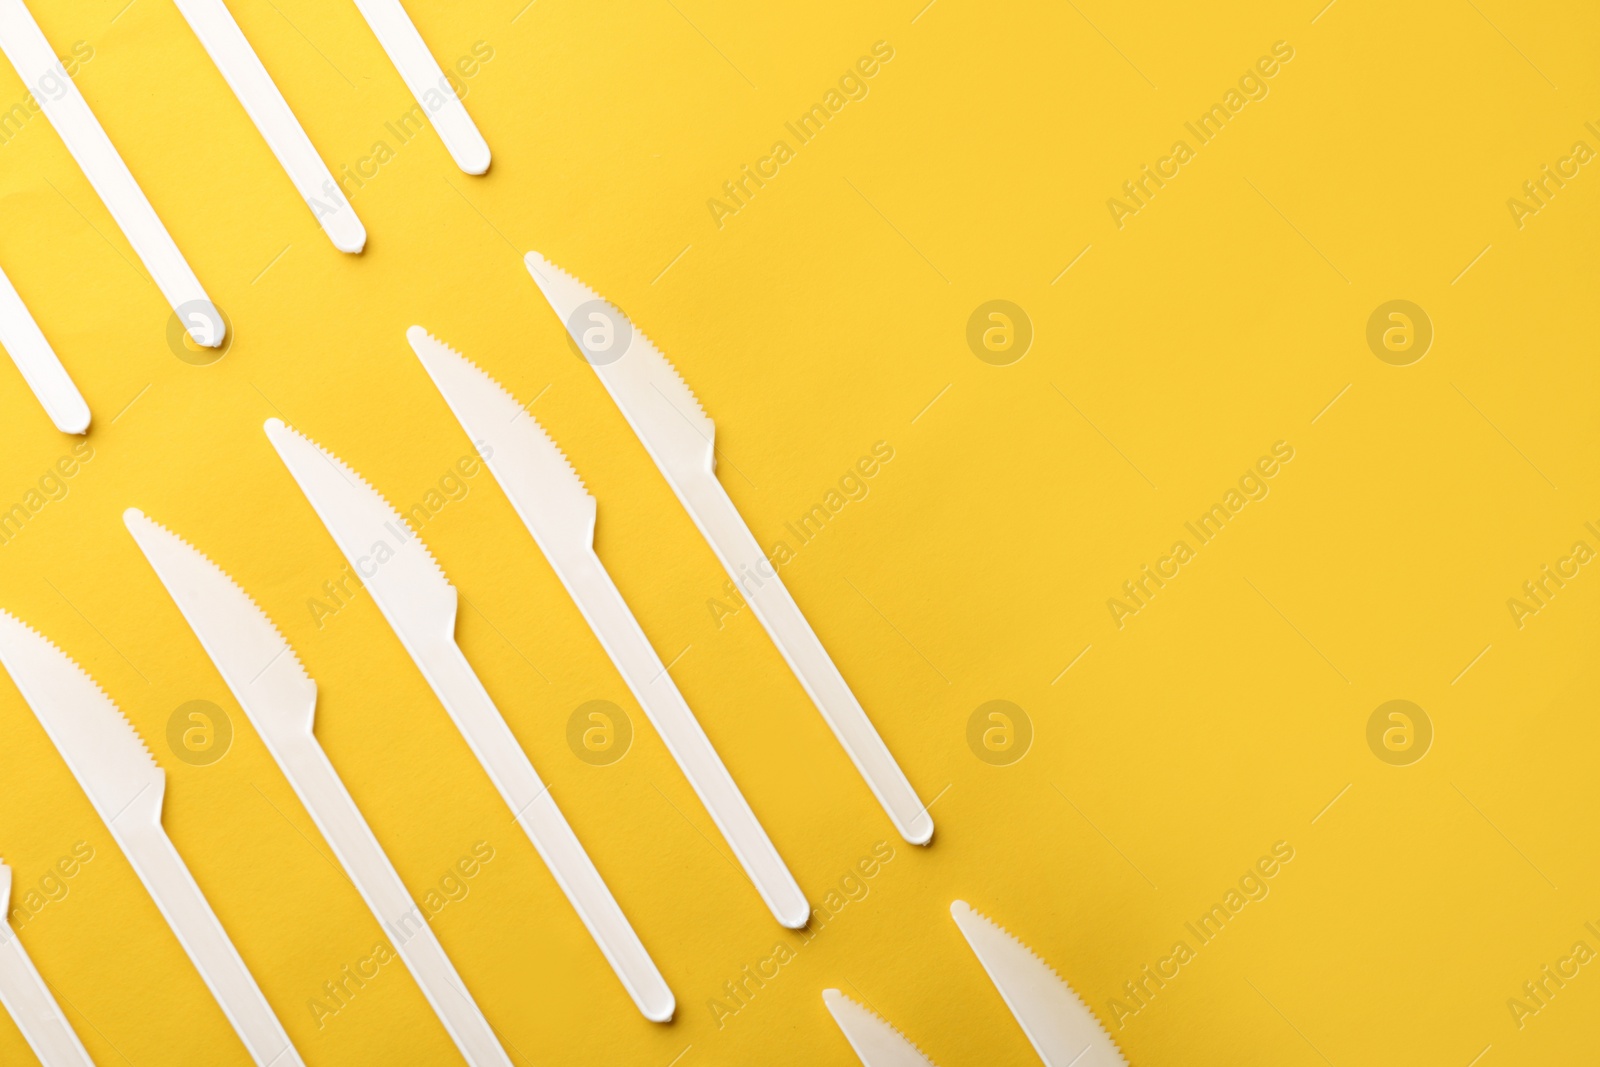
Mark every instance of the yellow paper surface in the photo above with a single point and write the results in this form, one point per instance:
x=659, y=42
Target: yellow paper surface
x=820, y=315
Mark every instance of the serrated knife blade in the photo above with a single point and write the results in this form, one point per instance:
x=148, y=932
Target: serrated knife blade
x=126, y=788
x=420, y=605
x=105, y=754
x=41, y=368
x=268, y=681
x=1062, y=1029
x=560, y=514
x=678, y=435
x=876, y=1043
x=28, y=999
x=25, y=45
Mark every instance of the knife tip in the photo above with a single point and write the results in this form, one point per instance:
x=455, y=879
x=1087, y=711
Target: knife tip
x=542, y=269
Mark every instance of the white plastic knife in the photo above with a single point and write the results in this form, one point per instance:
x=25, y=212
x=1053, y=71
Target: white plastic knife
x=420, y=605
x=25, y=45
x=1064, y=1032
x=560, y=514
x=420, y=71
x=20, y=336
x=677, y=433
x=126, y=787
x=28, y=999
x=876, y=1043
x=250, y=82
x=267, y=679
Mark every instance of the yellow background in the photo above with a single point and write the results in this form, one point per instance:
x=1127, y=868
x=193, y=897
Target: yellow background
x=822, y=318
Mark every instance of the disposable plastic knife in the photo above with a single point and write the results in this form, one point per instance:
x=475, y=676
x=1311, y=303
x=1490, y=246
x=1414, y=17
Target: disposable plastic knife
x=420, y=604
x=28, y=999
x=420, y=71
x=25, y=45
x=20, y=336
x=560, y=514
x=268, y=681
x=126, y=787
x=250, y=82
x=876, y=1043
x=677, y=433
x=1064, y=1032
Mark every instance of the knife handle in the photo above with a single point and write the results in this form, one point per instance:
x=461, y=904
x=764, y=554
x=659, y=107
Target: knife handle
x=28, y=999
x=334, y=811
x=491, y=740
x=420, y=71
x=757, y=579
x=250, y=82
x=25, y=45
x=21, y=337
x=630, y=650
x=165, y=876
